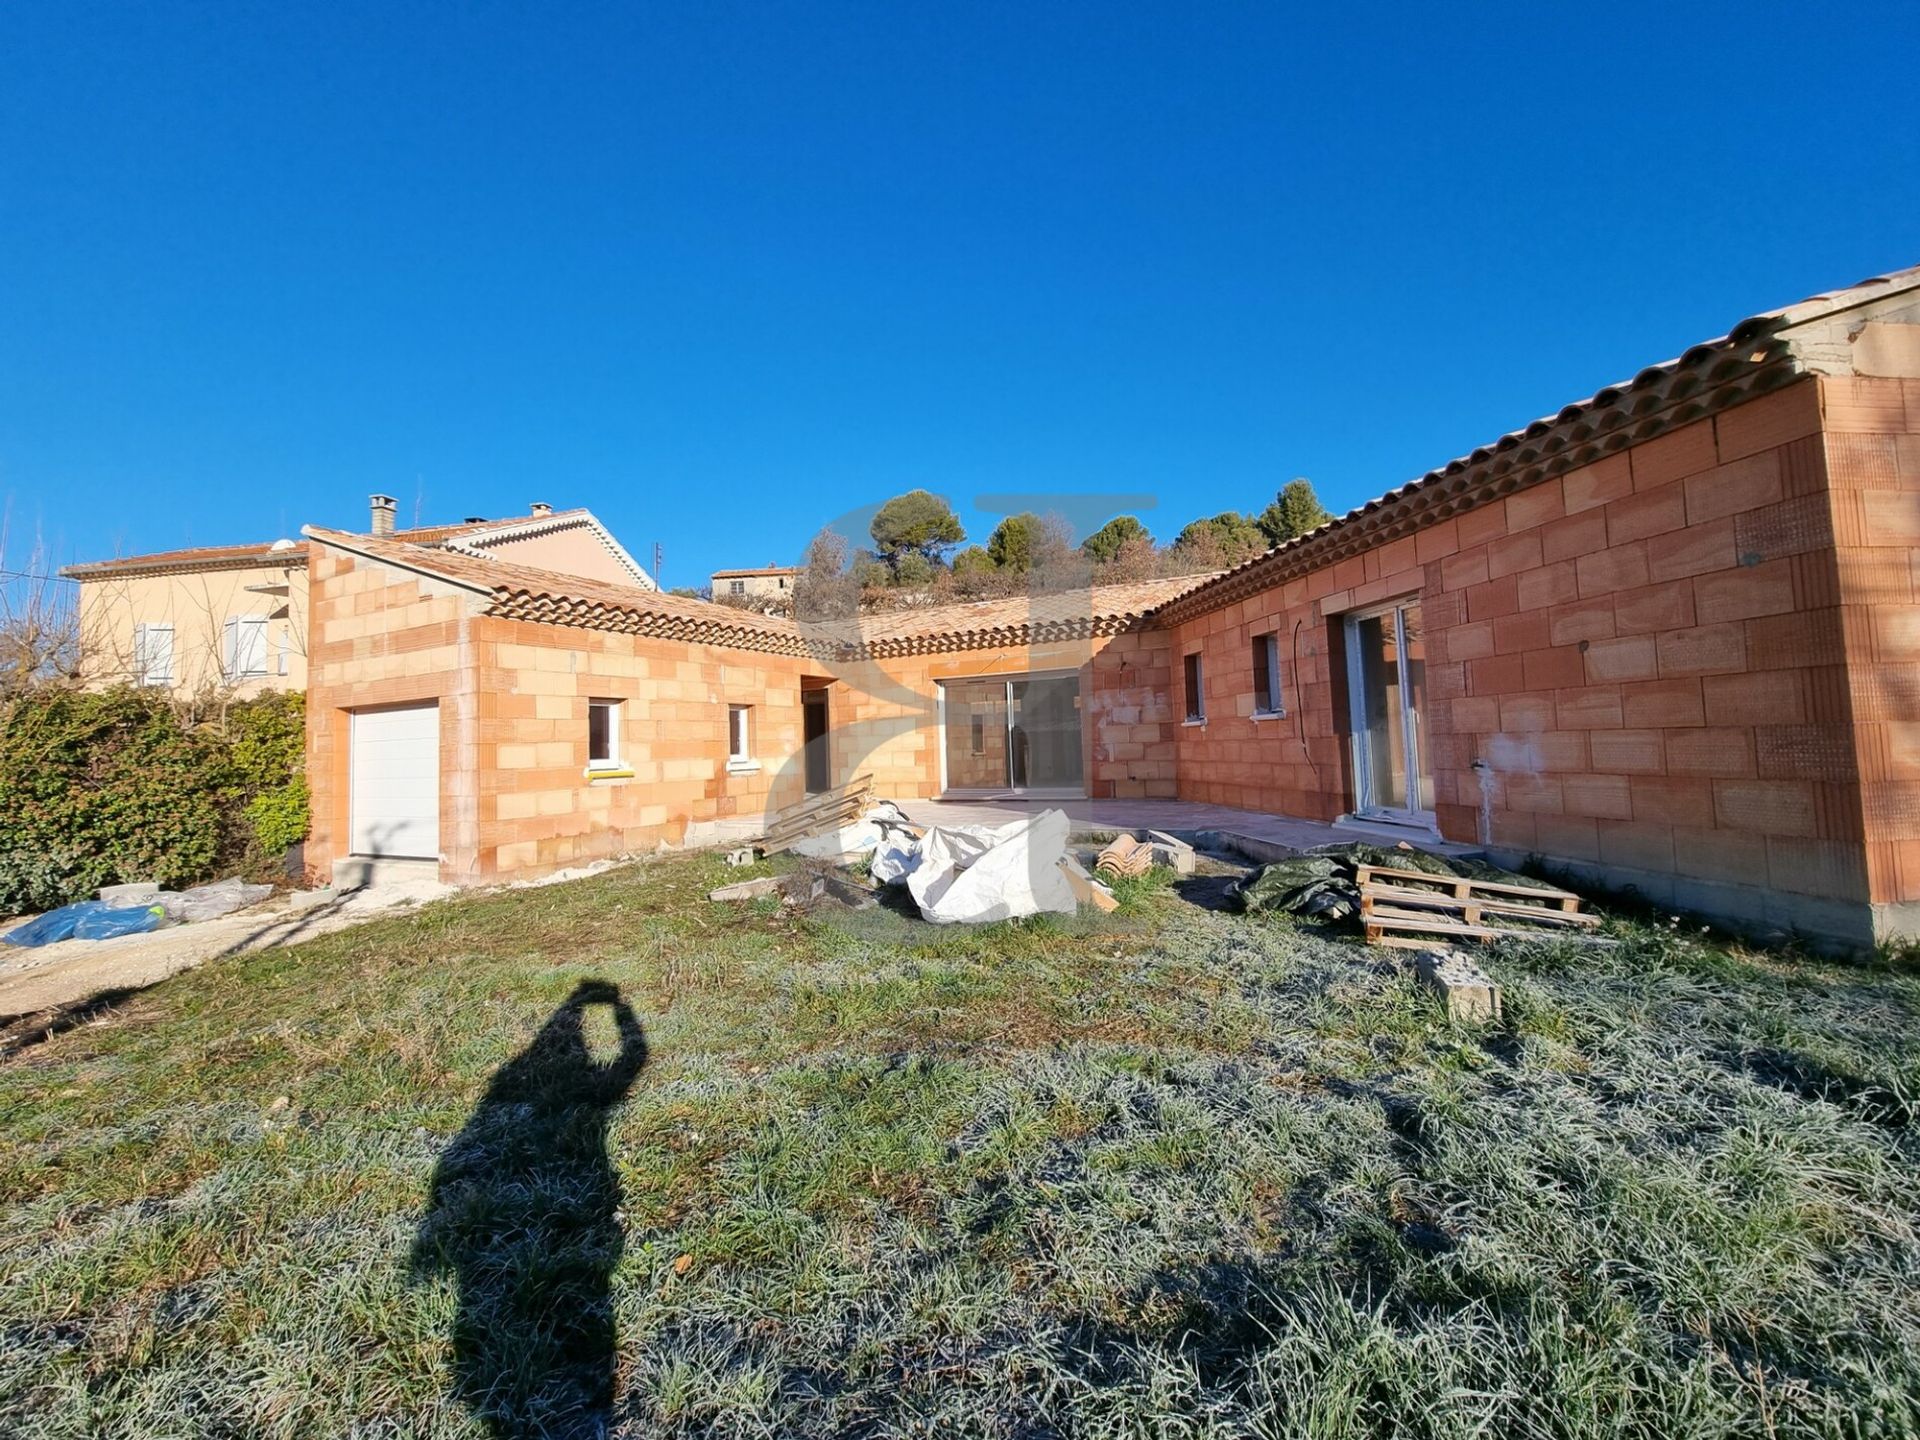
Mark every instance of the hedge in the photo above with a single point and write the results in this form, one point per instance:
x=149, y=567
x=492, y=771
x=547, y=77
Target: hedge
x=99, y=787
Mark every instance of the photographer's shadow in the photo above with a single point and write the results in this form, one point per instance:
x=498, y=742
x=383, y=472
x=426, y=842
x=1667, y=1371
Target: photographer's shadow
x=524, y=1214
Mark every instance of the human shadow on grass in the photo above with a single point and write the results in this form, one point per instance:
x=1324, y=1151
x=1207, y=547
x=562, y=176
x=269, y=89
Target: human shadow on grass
x=524, y=1214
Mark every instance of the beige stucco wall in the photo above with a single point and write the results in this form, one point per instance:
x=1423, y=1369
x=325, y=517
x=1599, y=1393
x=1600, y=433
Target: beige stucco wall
x=197, y=605
x=572, y=551
x=754, y=586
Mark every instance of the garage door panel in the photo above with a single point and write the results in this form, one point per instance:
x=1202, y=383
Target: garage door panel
x=395, y=791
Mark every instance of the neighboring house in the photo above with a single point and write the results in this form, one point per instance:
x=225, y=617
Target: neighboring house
x=770, y=582
x=234, y=617
x=1665, y=638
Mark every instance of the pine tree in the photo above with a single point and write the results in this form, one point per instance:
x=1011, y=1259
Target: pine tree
x=1294, y=511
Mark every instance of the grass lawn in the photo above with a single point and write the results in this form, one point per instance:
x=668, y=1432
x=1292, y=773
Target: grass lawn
x=605, y=1156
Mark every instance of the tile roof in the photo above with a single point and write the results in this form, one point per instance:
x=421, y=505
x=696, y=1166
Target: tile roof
x=289, y=552
x=1014, y=620
x=1752, y=358
x=431, y=534
x=521, y=592
x=199, y=557
x=761, y=570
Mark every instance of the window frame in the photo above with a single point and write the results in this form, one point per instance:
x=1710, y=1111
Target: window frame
x=736, y=587
x=1266, y=666
x=143, y=654
x=1194, y=678
x=740, y=738
x=615, y=711
x=234, y=648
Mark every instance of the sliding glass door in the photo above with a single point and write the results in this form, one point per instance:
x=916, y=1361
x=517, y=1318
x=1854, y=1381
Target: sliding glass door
x=1019, y=733
x=1386, y=683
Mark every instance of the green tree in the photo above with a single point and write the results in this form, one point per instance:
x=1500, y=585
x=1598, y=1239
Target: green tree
x=1294, y=511
x=973, y=561
x=914, y=571
x=1103, y=547
x=1225, y=539
x=917, y=523
x=1012, y=542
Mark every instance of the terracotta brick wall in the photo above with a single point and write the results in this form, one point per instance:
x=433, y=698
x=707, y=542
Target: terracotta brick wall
x=1658, y=658
x=515, y=795
x=885, y=714
x=1637, y=652
x=383, y=637
x=1297, y=763
x=541, y=811
x=513, y=696
x=1872, y=437
x=1127, y=695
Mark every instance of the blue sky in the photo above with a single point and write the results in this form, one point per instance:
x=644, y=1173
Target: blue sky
x=725, y=272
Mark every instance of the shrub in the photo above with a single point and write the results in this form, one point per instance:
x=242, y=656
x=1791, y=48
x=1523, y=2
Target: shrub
x=102, y=787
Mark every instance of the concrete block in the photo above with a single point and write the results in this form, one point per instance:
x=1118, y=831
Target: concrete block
x=1170, y=850
x=1468, y=990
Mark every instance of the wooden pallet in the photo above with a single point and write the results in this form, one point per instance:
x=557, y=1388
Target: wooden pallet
x=827, y=811
x=1462, y=888
x=1414, y=910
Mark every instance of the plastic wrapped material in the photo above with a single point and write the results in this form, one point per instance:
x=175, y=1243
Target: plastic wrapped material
x=973, y=874
x=881, y=822
x=54, y=925
x=210, y=902
x=125, y=920
x=86, y=920
x=895, y=859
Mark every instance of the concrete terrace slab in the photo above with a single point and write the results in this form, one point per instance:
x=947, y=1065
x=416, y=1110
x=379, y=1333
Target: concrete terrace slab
x=1258, y=835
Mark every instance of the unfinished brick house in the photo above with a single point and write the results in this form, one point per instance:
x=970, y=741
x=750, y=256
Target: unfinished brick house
x=1666, y=638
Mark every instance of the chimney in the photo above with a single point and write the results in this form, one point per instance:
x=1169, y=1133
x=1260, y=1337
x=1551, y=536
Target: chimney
x=382, y=506
x=540, y=507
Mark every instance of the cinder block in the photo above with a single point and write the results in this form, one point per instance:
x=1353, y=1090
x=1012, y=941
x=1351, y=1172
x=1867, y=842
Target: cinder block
x=1469, y=992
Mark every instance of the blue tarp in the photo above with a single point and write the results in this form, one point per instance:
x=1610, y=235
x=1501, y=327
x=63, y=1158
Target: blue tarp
x=87, y=920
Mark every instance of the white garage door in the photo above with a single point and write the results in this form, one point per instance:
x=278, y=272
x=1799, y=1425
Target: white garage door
x=396, y=782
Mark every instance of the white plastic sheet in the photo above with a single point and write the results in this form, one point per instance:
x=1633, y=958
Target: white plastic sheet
x=871, y=831
x=968, y=875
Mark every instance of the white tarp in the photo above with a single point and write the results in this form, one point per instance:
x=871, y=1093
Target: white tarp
x=878, y=824
x=972, y=874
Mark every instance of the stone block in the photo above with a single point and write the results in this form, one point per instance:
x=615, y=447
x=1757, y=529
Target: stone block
x=1470, y=993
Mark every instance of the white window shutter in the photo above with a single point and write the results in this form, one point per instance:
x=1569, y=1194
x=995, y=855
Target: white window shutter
x=253, y=646
x=153, y=654
x=230, y=649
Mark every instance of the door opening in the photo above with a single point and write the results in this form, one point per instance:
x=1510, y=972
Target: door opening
x=1386, y=686
x=813, y=734
x=1020, y=734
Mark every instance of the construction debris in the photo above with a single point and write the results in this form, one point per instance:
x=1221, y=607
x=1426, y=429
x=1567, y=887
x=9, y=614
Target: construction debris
x=752, y=889
x=135, y=909
x=975, y=873
x=1171, y=851
x=1086, y=889
x=880, y=821
x=830, y=810
x=1468, y=990
x=1407, y=908
x=742, y=856
x=1125, y=856
x=1408, y=897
